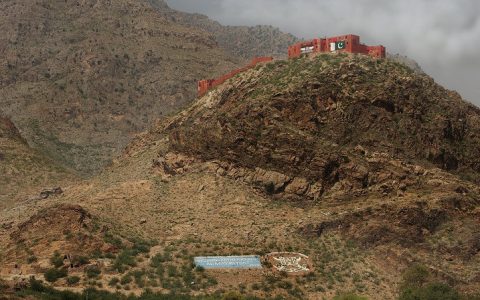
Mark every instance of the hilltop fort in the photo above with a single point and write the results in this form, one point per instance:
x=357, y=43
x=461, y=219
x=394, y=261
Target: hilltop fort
x=349, y=43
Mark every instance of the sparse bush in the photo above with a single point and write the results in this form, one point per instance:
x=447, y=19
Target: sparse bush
x=431, y=291
x=92, y=271
x=158, y=259
x=199, y=269
x=415, y=276
x=212, y=281
x=80, y=261
x=126, y=279
x=114, y=281
x=72, y=280
x=349, y=297
x=125, y=258
x=3, y=285
x=270, y=188
x=56, y=260
x=233, y=296
x=418, y=284
x=172, y=271
x=138, y=275
x=54, y=274
x=32, y=259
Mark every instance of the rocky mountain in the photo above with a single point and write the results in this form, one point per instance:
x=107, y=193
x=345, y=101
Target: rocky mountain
x=364, y=165
x=80, y=78
x=241, y=41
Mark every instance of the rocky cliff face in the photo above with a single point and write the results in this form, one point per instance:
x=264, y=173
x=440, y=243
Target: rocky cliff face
x=80, y=78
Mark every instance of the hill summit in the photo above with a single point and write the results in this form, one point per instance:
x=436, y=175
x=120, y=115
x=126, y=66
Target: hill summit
x=308, y=117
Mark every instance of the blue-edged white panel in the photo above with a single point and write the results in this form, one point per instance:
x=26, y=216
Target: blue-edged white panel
x=228, y=262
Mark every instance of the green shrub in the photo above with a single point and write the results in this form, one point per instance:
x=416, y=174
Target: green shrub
x=80, y=260
x=349, y=297
x=418, y=284
x=159, y=259
x=125, y=258
x=32, y=259
x=233, y=296
x=431, y=291
x=270, y=188
x=172, y=271
x=54, y=274
x=126, y=279
x=56, y=260
x=139, y=278
x=141, y=246
x=114, y=281
x=71, y=280
x=160, y=271
x=92, y=271
x=199, y=269
x=415, y=276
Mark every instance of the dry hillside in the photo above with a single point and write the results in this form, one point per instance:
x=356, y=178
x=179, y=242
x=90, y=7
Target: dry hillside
x=24, y=171
x=363, y=165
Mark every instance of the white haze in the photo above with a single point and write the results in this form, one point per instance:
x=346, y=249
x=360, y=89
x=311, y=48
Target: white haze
x=443, y=36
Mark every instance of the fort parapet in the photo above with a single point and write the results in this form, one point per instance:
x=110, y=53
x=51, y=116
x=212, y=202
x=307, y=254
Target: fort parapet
x=344, y=43
x=206, y=84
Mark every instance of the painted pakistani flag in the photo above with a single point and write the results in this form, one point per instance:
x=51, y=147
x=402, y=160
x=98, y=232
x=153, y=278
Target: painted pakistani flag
x=337, y=46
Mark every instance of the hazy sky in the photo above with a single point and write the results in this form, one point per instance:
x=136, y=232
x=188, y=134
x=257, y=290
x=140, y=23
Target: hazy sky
x=443, y=36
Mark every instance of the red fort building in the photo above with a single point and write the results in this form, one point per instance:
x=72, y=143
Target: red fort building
x=345, y=43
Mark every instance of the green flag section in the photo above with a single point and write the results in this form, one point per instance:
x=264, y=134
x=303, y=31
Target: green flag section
x=338, y=46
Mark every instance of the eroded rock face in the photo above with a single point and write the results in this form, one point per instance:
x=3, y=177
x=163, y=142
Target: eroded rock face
x=65, y=216
x=68, y=228
x=325, y=121
x=406, y=226
x=380, y=176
